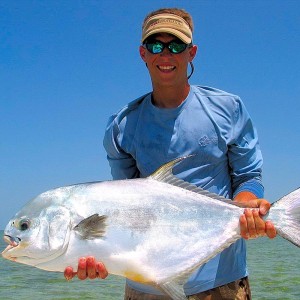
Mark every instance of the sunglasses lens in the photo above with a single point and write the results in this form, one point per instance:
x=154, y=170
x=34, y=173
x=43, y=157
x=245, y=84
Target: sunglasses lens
x=176, y=47
x=155, y=47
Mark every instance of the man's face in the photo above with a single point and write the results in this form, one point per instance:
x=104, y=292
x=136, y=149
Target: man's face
x=166, y=68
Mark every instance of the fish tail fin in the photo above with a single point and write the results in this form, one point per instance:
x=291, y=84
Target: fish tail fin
x=285, y=215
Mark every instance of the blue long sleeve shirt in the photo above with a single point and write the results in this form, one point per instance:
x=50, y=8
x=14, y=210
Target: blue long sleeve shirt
x=216, y=128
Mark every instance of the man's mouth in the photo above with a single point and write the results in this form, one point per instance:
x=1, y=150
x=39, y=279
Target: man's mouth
x=166, y=68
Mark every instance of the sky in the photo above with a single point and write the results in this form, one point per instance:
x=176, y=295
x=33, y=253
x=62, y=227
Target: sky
x=67, y=65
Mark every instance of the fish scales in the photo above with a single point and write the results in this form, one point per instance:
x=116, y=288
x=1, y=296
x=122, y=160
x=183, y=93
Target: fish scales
x=155, y=230
x=135, y=216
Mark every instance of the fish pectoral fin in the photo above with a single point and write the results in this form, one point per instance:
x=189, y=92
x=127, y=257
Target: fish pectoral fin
x=174, y=290
x=92, y=227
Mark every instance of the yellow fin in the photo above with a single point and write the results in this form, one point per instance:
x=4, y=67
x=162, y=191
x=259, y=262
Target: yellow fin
x=136, y=277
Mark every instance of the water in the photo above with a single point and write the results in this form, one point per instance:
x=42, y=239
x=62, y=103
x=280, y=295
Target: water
x=274, y=267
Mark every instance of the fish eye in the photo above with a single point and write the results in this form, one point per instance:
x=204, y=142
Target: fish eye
x=24, y=224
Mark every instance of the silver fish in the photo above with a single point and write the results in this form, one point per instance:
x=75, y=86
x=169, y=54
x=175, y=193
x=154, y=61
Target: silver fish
x=155, y=230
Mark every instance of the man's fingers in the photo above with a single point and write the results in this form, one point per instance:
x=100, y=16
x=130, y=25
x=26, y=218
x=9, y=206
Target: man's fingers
x=244, y=227
x=81, y=273
x=264, y=207
x=68, y=273
x=270, y=230
x=87, y=268
x=260, y=228
x=250, y=223
x=91, y=267
x=102, y=272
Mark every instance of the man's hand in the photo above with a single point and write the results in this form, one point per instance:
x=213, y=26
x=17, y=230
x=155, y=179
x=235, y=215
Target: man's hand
x=251, y=223
x=87, y=268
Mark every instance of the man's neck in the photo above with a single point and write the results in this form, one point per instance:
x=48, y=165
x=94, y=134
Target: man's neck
x=170, y=97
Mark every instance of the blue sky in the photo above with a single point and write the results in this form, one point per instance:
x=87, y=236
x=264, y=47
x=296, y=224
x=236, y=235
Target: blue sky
x=66, y=66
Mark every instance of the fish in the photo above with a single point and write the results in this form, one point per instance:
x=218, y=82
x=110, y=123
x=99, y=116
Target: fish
x=156, y=230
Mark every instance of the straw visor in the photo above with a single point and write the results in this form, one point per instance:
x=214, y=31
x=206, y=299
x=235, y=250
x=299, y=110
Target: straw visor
x=168, y=23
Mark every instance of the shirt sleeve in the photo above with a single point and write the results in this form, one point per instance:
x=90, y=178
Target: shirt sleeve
x=122, y=164
x=244, y=154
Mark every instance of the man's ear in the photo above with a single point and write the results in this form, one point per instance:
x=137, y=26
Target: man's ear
x=192, y=52
x=142, y=53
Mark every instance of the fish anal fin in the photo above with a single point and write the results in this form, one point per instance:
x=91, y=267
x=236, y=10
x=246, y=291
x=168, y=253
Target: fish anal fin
x=174, y=290
x=92, y=227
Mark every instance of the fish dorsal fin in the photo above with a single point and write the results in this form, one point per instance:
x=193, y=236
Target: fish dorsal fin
x=165, y=174
x=92, y=227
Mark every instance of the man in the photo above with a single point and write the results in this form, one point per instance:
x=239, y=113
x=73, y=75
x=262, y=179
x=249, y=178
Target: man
x=176, y=120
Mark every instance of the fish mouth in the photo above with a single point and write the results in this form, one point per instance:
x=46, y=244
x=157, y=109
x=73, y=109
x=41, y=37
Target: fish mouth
x=12, y=243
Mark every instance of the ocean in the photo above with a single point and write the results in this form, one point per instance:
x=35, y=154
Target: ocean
x=274, y=267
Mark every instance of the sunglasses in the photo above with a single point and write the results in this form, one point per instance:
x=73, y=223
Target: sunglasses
x=175, y=47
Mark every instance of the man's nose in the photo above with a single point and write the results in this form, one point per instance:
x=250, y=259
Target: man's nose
x=166, y=52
